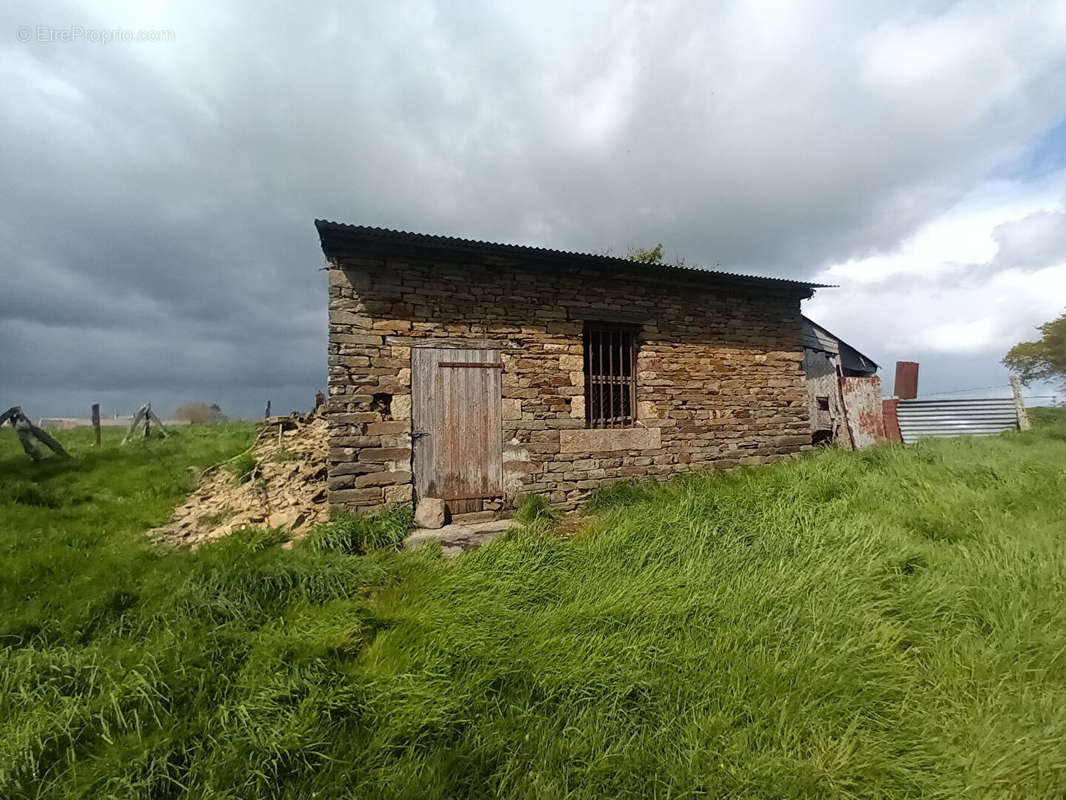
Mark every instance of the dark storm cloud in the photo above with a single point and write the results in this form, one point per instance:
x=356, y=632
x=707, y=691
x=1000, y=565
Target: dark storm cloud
x=159, y=197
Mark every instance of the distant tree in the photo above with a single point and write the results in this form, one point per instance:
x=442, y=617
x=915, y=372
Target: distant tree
x=200, y=412
x=1043, y=359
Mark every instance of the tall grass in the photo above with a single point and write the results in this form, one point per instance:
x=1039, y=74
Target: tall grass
x=881, y=624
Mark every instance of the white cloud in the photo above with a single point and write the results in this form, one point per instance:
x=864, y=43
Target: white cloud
x=970, y=283
x=1035, y=241
x=971, y=232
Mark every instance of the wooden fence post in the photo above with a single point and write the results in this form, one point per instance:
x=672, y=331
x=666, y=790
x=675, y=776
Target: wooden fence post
x=137, y=418
x=149, y=414
x=96, y=424
x=1019, y=406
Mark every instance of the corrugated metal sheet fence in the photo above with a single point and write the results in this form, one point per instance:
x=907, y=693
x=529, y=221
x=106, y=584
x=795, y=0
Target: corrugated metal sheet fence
x=955, y=417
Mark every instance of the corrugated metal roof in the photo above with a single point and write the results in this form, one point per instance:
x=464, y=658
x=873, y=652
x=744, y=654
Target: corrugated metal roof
x=851, y=359
x=955, y=417
x=816, y=337
x=333, y=236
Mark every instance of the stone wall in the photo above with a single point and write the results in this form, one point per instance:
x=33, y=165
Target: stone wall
x=720, y=380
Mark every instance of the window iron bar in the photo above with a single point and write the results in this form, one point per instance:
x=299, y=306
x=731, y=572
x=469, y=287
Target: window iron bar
x=610, y=376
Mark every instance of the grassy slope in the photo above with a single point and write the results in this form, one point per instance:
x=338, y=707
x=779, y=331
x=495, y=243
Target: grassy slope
x=891, y=623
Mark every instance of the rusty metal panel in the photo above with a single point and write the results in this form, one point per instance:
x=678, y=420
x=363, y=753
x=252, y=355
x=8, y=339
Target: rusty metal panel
x=955, y=417
x=905, y=386
x=457, y=416
x=862, y=410
x=889, y=408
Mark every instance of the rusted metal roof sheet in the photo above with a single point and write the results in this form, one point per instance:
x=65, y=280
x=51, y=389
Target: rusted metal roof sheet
x=338, y=239
x=955, y=417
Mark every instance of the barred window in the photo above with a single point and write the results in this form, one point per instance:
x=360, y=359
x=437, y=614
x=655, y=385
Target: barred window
x=610, y=375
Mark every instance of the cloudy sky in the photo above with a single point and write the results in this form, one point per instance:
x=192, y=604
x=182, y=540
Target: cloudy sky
x=159, y=195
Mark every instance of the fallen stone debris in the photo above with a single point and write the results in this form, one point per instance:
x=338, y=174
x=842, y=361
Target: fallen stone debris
x=278, y=483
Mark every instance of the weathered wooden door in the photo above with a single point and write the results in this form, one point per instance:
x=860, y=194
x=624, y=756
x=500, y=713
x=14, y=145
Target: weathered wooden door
x=457, y=425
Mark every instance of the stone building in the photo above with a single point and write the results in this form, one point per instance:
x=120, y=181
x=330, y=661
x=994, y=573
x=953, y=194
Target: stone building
x=829, y=363
x=477, y=372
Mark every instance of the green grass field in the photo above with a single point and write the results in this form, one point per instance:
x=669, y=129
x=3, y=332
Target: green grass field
x=890, y=623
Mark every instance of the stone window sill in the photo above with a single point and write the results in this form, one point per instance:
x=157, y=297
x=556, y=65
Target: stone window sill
x=604, y=439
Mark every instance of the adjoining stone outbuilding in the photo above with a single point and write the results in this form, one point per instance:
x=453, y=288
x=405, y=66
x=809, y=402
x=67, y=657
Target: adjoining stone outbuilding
x=843, y=390
x=477, y=373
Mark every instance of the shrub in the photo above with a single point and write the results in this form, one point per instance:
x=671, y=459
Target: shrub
x=200, y=412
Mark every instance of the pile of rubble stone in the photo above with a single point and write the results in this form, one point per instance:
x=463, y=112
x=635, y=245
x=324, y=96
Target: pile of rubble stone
x=284, y=489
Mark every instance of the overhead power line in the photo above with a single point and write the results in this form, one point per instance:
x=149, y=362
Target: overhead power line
x=975, y=389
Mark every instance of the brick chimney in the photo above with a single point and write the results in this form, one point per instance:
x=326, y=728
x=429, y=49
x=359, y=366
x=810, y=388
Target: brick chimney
x=906, y=385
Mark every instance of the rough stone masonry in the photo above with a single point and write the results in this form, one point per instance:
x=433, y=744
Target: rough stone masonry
x=719, y=378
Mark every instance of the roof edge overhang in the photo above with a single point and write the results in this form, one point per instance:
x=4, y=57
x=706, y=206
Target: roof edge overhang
x=340, y=240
